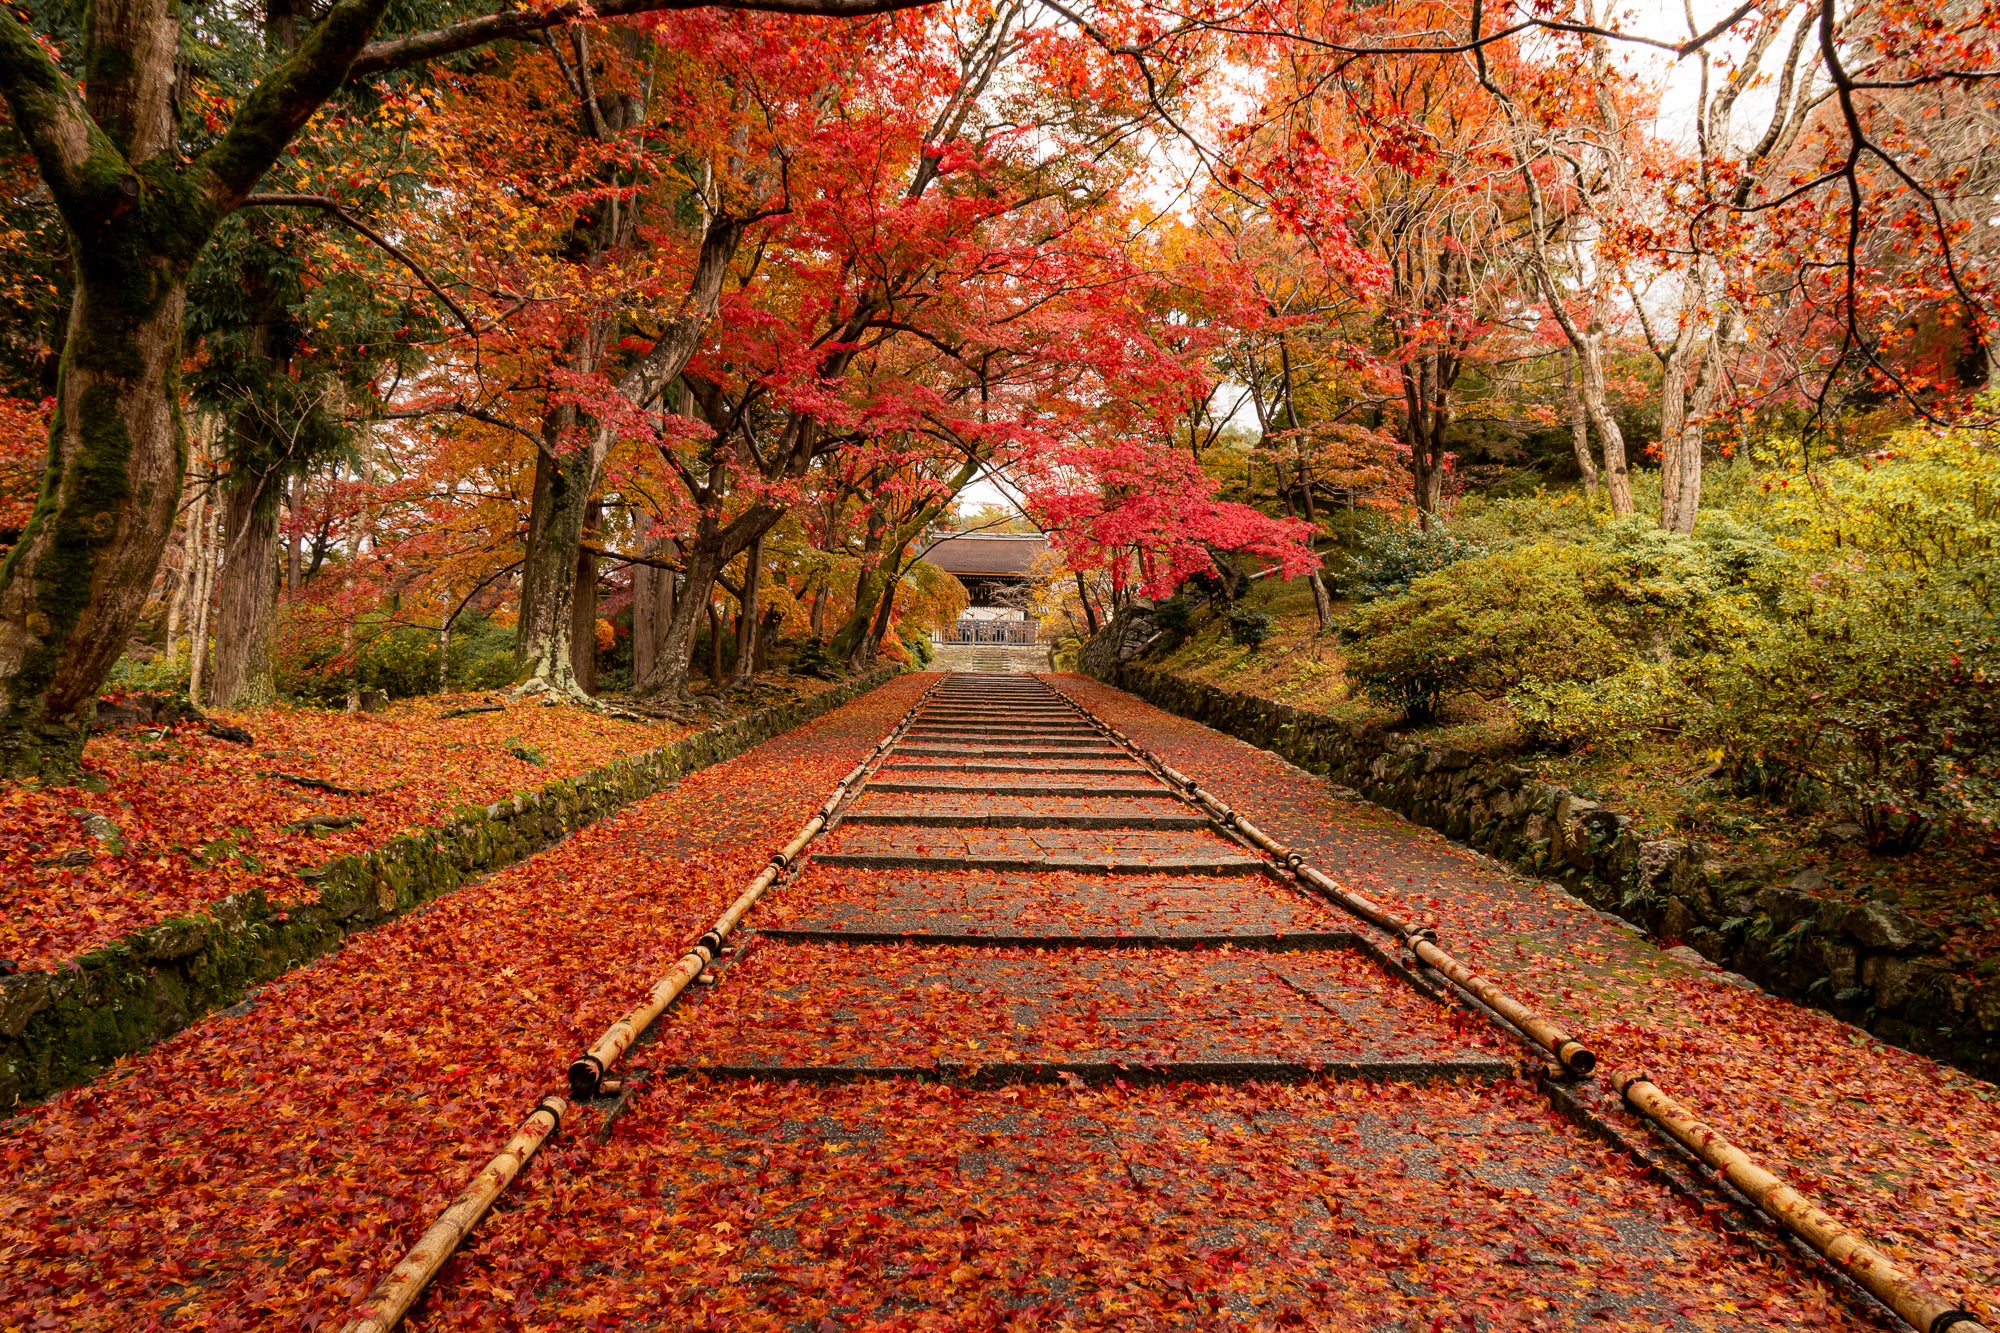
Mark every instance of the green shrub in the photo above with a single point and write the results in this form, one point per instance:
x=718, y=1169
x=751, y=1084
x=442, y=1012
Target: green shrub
x=1174, y=618
x=918, y=641
x=1611, y=710
x=813, y=659
x=1484, y=627
x=401, y=660
x=1874, y=675
x=1397, y=558
x=1250, y=628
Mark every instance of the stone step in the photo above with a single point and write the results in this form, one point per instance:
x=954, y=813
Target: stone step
x=923, y=1005
x=1056, y=749
x=1064, y=765
x=1155, y=810
x=1148, y=851
x=978, y=903
x=987, y=786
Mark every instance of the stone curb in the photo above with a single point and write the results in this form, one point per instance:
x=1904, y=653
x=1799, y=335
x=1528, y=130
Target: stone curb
x=63, y=1027
x=1872, y=965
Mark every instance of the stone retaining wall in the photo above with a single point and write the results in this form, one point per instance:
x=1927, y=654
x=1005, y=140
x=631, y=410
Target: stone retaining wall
x=64, y=1027
x=1873, y=964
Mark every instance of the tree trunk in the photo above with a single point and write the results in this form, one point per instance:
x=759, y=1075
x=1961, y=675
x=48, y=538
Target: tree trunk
x=191, y=557
x=583, y=607
x=549, y=569
x=652, y=614
x=767, y=635
x=1681, y=421
x=820, y=595
x=204, y=596
x=1426, y=419
x=248, y=595
x=74, y=585
x=294, y=534
x=1089, y=609
x=1579, y=423
x=714, y=642
x=1322, y=599
x=1617, y=479
x=746, y=621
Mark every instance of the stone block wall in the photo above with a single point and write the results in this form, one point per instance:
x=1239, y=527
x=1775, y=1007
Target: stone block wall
x=1872, y=964
x=63, y=1027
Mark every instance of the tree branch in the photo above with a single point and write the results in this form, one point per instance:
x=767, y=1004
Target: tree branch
x=417, y=47
x=332, y=206
x=279, y=107
x=49, y=111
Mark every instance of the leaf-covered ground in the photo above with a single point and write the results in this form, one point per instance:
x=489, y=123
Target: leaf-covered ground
x=197, y=817
x=264, y=1168
x=1895, y=1143
x=257, y=1170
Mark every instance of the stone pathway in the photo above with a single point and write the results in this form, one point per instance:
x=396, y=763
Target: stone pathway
x=1027, y=1045
x=1020, y=1047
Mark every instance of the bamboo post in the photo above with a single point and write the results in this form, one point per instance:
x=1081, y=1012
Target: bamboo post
x=392, y=1298
x=1915, y=1303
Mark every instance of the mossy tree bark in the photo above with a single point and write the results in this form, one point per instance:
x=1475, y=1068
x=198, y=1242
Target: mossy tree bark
x=136, y=217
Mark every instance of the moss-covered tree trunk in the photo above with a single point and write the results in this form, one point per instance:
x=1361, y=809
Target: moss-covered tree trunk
x=136, y=216
x=548, y=571
x=583, y=605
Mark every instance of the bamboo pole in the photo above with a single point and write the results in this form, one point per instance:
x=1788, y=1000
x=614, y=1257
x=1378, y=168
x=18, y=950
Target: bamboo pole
x=587, y=1072
x=1570, y=1053
x=1915, y=1303
x=393, y=1296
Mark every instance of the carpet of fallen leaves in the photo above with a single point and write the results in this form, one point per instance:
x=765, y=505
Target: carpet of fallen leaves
x=261, y=1169
x=1894, y=1143
x=977, y=903
x=898, y=1205
x=193, y=818
x=923, y=1006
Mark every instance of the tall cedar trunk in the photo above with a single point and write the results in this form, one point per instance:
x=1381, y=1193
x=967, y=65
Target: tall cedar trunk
x=746, y=620
x=583, y=608
x=711, y=548
x=247, y=595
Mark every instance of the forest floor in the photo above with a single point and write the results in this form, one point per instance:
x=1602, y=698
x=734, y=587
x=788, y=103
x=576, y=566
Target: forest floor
x=172, y=819
x=1665, y=785
x=823, y=1140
